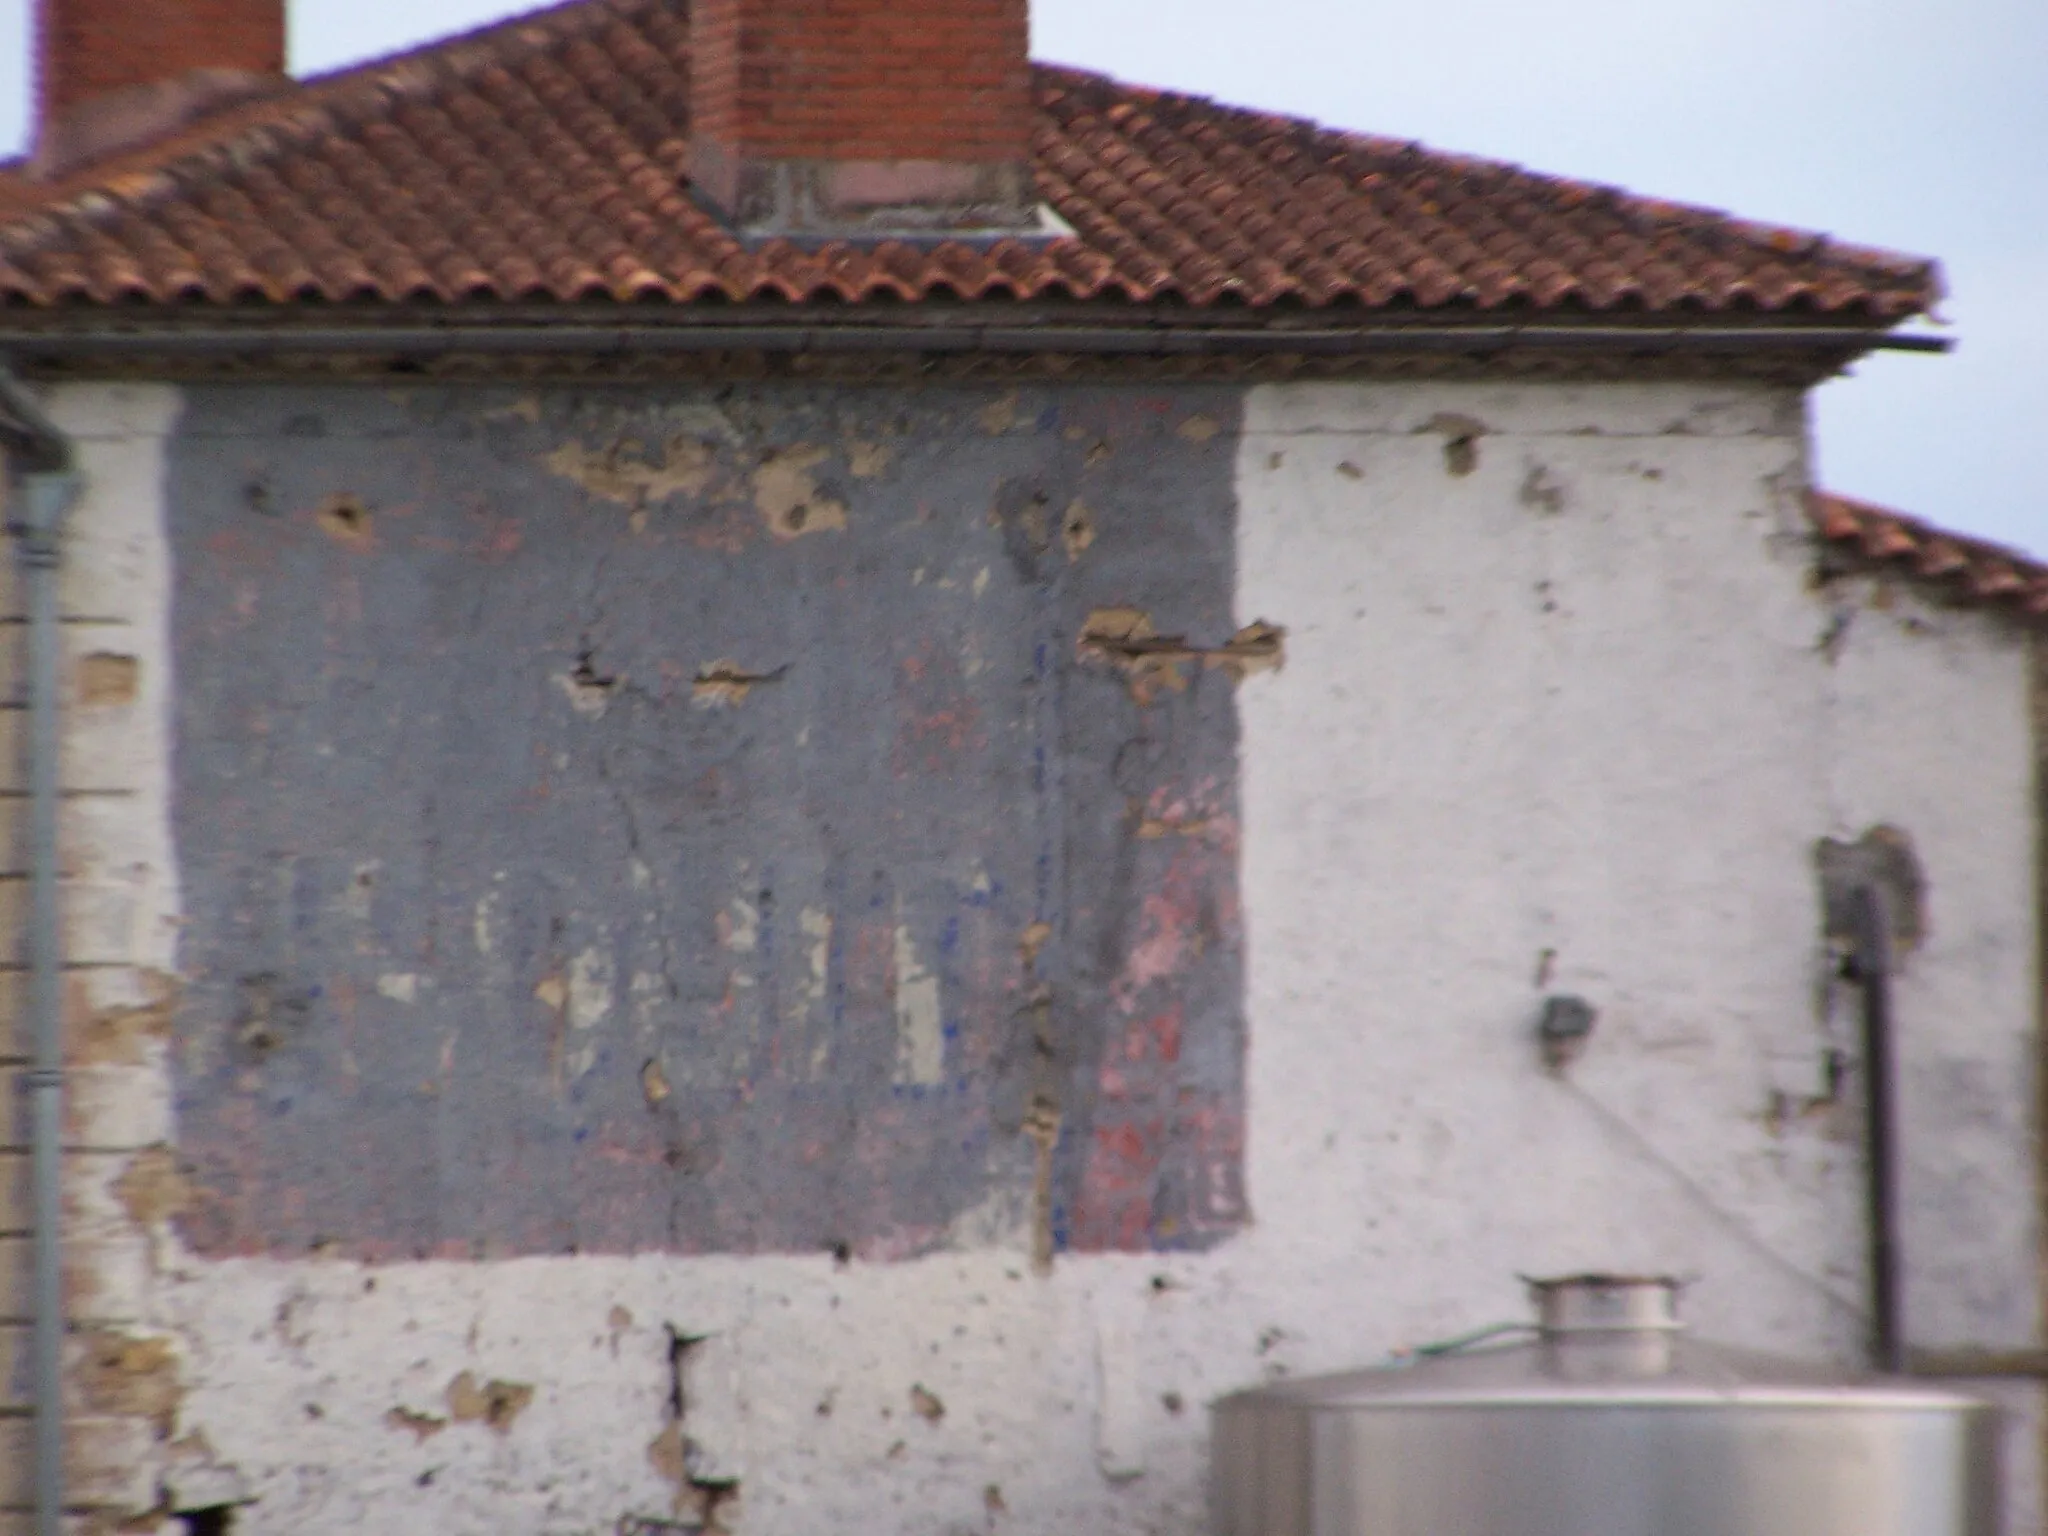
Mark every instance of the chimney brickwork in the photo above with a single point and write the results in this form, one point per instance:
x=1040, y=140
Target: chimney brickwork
x=114, y=73
x=847, y=117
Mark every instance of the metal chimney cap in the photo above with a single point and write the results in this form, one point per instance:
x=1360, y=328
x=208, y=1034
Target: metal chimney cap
x=1606, y=1303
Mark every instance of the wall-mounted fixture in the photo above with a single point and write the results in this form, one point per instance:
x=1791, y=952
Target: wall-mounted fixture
x=1563, y=1029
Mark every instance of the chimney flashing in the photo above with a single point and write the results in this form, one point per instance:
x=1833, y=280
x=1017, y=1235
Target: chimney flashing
x=138, y=114
x=812, y=199
x=114, y=74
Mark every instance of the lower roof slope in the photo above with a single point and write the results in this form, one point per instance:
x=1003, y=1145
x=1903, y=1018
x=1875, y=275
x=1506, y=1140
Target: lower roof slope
x=1971, y=572
x=544, y=159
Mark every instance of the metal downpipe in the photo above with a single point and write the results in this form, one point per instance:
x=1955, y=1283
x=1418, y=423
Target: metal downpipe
x=1871, y=964
x=43, y=494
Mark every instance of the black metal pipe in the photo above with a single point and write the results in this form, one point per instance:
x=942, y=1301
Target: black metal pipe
x=1872, y=971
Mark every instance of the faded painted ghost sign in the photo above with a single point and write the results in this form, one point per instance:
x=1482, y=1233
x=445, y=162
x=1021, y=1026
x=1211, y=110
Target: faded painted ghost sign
x=707, y=820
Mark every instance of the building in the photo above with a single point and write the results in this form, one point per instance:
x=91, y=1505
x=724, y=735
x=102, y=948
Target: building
x=807, y=774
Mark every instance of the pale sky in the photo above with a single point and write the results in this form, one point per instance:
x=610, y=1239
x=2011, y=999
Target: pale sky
x=1921, y=125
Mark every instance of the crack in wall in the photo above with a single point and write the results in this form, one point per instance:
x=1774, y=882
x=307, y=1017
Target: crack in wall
x=1125, y=638
x=701, y=1502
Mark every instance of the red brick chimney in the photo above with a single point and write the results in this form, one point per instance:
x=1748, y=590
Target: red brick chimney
x=863, y=117
x=111, y=74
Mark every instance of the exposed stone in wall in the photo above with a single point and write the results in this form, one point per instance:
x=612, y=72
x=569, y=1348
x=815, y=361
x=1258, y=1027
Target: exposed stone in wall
x=125, y=1377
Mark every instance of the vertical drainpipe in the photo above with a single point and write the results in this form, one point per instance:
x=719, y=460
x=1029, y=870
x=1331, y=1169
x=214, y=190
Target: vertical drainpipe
x=1872, y=967
x=45, y=486
x=2037, y=719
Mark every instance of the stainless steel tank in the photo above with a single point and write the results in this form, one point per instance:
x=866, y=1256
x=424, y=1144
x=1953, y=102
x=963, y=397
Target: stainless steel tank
x=1605, y=1420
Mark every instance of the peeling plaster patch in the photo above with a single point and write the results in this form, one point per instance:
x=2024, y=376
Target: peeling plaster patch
x=122, y=1036
x=999, y=416
x=926, y=1404
x=1030, y=942
x=590, y=988
x=981, y=581
x=399, y=986
x=123, y=1375
x=588, y=696
x=815, y=924
x=867, y=460
x=666, y=1455
x=1541, y=492
x=1461, y=436
x=920, y=1034
x=154, y=1186
x=654, y=1085
x=422, y=1426
x=1258, y=647
x=484, y=924
x=1153, y=827
x=703, y=1406
x=1077, y=529
x=195, y=1479
x=649, y=991
x=740, y=927
x=106, y=678
x=344, y=518
x=1042, y=1130
x=1198, y=429
x=1002, y=1221
x=1125, y=638
x=625, y=472
x=495, y=1403
x=551, y=992
x=787, y=497
x=724, y=682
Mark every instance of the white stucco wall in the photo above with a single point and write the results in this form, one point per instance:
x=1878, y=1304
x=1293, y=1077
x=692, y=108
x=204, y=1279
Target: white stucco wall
x=1571, y=704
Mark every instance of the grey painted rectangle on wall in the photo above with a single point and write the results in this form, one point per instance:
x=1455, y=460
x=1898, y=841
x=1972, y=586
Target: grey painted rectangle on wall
x=706, y=819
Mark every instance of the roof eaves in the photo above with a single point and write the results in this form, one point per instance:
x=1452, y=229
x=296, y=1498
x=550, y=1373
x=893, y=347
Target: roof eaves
x=1863, y=537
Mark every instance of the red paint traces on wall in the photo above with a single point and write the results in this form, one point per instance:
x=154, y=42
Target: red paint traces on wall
x=1163, y=1150
x=937, y=718
x=1178, y=921
x=1118, y=1190
x=497, y=538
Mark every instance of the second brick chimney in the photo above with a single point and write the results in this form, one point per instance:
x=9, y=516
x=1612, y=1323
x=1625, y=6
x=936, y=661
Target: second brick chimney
x=111, y=74
x=863, y=117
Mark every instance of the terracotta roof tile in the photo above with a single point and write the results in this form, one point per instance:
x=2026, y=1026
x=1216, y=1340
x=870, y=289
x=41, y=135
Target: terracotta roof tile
x=542, y=159
x=1966, y=570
